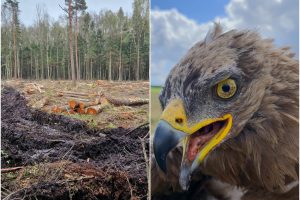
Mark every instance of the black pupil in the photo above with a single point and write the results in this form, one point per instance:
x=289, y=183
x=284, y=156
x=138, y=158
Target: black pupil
x=225, y=88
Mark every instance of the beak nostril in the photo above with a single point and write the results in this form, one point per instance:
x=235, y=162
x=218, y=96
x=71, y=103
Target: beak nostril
x=179, y=120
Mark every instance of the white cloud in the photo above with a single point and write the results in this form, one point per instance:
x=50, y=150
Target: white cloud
x=173, y=33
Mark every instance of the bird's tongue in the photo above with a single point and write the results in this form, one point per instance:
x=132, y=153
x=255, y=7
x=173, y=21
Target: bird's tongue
x=199, y=139
x=196, y=142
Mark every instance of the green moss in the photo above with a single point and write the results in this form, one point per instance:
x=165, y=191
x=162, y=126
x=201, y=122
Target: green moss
x=111, y=126
x=11, y=175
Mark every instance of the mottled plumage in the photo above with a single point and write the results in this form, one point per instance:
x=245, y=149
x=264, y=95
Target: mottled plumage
x=260, y=155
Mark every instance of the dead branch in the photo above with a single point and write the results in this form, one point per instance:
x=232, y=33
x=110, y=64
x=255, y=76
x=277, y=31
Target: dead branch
x=146, y=160
x=7, y=170
x=64, y=9
x=131, y=193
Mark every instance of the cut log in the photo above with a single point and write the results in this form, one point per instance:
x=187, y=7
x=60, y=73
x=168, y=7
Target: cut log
x=69, y=112
x=79, y=99
x=81, y=105
x=81, y=111
x=91, y=111
x=73, y=104
x=97, y=101
x=127, y=102
x=41, y=103
x=76, y=94
x=57, y=109
x=94, y=110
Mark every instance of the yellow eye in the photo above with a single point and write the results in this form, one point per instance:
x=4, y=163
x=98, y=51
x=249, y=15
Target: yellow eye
x=226, y=88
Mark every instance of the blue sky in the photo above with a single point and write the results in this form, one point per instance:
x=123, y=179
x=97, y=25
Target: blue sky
x=201, y=11
x=28, y=7
x=178, y=24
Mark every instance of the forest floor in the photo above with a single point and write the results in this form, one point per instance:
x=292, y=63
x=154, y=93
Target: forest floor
x=54, y=156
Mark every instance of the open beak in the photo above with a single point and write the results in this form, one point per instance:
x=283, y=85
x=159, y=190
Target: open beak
x=197, y=140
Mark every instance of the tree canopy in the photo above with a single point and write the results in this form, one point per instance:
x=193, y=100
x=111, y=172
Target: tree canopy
x=108, y=45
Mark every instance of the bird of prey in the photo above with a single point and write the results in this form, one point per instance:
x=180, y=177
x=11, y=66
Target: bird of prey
x=230, y=112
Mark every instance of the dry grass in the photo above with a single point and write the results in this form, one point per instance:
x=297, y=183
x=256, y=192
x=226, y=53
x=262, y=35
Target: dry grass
x=113, y=117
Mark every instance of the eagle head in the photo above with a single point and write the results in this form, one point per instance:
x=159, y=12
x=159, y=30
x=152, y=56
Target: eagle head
x=232, y=104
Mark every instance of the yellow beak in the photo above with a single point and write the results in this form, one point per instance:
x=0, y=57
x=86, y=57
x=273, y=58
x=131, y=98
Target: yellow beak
x=174, y=117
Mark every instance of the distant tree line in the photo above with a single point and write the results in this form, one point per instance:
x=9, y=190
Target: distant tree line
x=105, y=45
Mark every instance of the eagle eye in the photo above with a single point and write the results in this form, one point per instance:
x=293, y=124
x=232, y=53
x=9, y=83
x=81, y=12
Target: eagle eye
x=226, y=88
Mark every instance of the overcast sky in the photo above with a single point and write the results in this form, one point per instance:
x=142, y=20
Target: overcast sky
x=28, y=7
x=177, y=25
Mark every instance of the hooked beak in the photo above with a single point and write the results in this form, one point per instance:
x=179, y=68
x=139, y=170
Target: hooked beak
x=165, y=139
x=197, y=140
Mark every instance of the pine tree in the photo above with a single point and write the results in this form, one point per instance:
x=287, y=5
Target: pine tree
x=13, y=6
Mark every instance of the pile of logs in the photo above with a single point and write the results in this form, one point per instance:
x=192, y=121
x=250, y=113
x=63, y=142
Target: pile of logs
x=81, y=103
x=33, y=88
x=84, y=103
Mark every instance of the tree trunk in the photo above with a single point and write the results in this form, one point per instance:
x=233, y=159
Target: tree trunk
x=50, y=67
x=86, y=68
x=129, y=69
x=120, y=64
x=31, y=75
x=109, y=67
x=76, y=46
x=79, y=60
x=15, y=44
x=7, y=67
x=10, y=62
x=100, y=76
x=63, y=65
x=137, y=75
x=91, y=69
x=18, y=65
x=57, y=65
x=47, y=49
x=42, y=63
x=71, y=44
x=36, y=67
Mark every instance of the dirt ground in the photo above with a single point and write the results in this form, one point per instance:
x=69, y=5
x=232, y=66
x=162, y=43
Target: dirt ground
x=64, y=158
x=112, y=117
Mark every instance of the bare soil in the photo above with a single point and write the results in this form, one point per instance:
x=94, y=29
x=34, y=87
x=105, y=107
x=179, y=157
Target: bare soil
x=64, y=158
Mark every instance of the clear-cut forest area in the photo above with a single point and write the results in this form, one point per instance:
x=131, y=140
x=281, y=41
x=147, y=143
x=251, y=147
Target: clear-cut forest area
x=75, y=102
